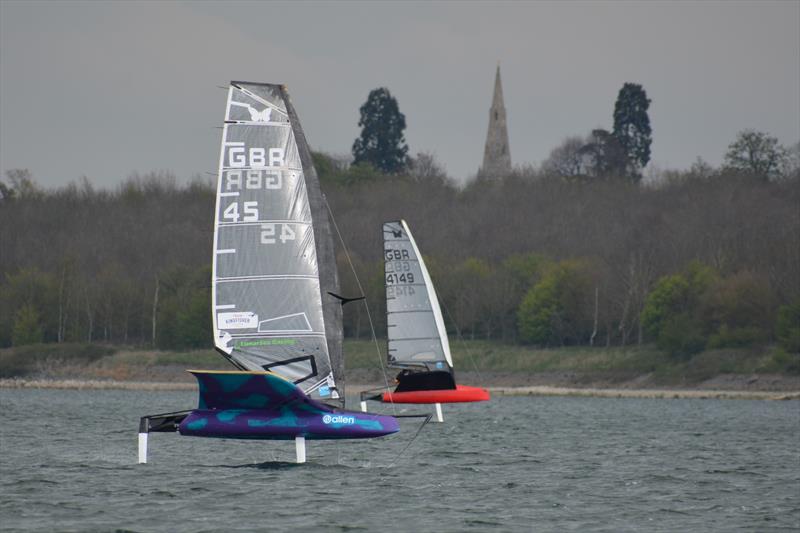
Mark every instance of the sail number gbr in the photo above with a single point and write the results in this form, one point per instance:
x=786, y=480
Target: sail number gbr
x=398, y=268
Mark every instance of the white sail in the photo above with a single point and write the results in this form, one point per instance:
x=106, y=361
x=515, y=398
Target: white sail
x=415, y=327
x=267, y=294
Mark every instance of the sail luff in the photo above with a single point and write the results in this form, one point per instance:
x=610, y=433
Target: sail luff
x=221, y=349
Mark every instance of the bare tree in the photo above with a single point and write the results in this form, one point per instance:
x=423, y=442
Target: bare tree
x=568, y=158
x=757, y=153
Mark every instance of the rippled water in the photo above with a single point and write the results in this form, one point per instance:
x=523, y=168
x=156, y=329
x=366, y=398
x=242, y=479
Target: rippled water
x=512, y=464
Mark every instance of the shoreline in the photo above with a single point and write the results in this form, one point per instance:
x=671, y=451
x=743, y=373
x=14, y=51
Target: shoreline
x=536, y=390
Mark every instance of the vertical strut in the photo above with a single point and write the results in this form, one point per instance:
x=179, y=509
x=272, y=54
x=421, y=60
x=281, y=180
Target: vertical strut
x=439, y=416
x=142, y=448
x=300, y=449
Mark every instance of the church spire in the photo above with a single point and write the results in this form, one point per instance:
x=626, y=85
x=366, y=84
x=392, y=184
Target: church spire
x=496, y=155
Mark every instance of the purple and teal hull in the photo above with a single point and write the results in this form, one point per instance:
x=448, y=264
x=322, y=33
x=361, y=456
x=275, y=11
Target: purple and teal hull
x=261, y=405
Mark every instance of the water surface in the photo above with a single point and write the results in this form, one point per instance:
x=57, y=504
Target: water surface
x=67, y=463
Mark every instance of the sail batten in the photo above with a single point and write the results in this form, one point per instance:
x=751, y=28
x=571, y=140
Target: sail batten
x=269, y=312
x=415, y=327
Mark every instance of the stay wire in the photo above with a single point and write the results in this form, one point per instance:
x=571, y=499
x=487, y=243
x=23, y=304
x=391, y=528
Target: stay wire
x=366, y=305
x=428, y=418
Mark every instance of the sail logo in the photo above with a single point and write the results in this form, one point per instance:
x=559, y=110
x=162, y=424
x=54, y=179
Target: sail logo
x=265, y=115
x=338, y=419
x=259, y=116
x=238, y=320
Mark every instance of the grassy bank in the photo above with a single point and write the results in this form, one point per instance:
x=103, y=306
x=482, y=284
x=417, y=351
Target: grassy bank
x=484, y=361
x=622, y=363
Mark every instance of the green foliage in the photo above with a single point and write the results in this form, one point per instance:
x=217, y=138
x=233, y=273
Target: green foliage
x=680, y=335
x=193, y=322
x=782, y=362
x=27, y=326
x=669, y=297
x=736, y=337
x=31, y=292
x=554, y=311
x=670, y=311
x=737, y=311
x=362, y=173
x=98, y=253
x=381, y=143
x=632, y=127
x=524, y=269
x=471, y=279
x=184, y=309
x=464, y=289
x=696, y=309
x=509, y=283
x=336, y=171
x=700, y=277
x=787, y=327
x=757, y=153
x=536, y=312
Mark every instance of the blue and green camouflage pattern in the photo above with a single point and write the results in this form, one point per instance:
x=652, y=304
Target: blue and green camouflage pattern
x=262, y=405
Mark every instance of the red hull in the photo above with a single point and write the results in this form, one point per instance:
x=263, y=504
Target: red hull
x=461, y=393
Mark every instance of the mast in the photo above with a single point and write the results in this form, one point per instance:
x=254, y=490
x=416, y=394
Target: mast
x=326, y=253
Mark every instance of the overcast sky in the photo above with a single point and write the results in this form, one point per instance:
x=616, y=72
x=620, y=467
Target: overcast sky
x=104, y=89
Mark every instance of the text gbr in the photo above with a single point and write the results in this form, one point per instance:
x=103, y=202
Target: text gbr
x=255, y=169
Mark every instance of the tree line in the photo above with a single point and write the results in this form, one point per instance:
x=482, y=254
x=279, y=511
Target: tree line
x=536, y=258
x=701, y=259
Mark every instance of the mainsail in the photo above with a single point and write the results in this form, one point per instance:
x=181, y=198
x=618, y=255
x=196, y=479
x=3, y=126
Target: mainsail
x=274, y=262
x=415, y=327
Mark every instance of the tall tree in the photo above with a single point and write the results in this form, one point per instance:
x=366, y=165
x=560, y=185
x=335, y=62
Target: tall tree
x=757, y=153
x=381, y=143
x=632, y=127
x=567, y=159
x=603, y=155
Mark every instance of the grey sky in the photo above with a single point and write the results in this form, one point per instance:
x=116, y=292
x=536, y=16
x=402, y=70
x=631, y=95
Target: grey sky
x=106, y=89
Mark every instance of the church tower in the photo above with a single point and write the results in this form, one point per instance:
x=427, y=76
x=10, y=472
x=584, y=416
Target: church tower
x=496, y=155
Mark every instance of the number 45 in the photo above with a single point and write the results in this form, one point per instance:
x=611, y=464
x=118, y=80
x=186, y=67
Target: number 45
x=268, y=233
x=250, y=212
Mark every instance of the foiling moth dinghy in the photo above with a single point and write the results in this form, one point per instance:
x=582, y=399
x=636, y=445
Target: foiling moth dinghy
x=416, y=336
x=275, y=314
